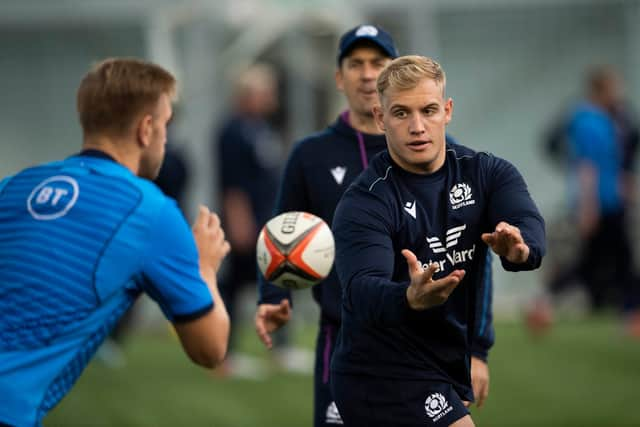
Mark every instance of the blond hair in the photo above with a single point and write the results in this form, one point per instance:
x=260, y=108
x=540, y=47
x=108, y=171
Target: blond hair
x=116, y=91
x=406, y=72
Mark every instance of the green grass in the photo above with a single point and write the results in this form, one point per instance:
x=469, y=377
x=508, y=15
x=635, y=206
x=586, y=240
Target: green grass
x=585, y=373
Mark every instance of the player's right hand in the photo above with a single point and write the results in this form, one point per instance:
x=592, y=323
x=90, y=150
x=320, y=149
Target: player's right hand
x=210, y=239
x=271, y=317
x=424, y=292
x=479, y=380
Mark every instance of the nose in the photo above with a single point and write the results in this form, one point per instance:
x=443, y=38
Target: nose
x=369, y=72
x=416, y=126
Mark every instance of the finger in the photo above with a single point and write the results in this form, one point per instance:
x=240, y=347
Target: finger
x=484, y=393
x=226, y=248
x=427, y=275
x=501, y=226
x=220, y=235
x=482, y=396
x=285, y=308
x=261, y=329
x=202, y=219
x=412, y=261
x=510, y=234
x=214, y=220
x=466, y=403
x=447, y=284
x=488, y=238
x=476, y=390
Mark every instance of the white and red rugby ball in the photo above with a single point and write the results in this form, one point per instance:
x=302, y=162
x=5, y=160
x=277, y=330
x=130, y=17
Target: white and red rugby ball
x=295, y=250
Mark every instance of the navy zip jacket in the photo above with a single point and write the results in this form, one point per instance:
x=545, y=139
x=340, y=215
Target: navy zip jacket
x=319, y=170
x=440, y=217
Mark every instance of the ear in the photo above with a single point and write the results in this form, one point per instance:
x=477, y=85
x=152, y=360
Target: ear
x=448, y=111
x=339, y=79
x=378, y=116
x=144, y=130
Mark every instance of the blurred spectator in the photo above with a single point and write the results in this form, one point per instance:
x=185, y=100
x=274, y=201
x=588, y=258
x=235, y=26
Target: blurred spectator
x=174, y=174
x=250, y=155
x=598, y=142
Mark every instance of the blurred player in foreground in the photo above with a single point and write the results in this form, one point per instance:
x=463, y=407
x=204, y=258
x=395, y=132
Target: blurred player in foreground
x=84, y=236
x=319, y=170
x=403, y=350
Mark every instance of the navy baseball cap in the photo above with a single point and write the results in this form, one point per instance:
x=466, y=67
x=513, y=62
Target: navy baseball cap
x=368, y=32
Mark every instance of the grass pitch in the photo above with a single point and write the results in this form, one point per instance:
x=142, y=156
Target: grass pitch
x=585, y=373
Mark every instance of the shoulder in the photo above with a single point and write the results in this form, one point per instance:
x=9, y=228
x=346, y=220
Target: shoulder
x=467, y=156
x=462, y=152
x=315, y=148
x=109, y=175
x=483, y=165
x=314, y=143
x=378, y=180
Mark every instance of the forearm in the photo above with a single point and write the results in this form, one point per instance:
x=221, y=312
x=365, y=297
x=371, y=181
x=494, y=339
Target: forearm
x=220, y=322
x=377, y=301
x=205, y=339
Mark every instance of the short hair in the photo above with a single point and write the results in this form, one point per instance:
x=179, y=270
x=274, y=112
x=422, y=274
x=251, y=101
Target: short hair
x=116, y=91
x=599, y=77
x=406, y=72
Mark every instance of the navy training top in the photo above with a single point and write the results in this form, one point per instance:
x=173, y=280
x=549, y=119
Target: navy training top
x=319, y=170
x=440, y=217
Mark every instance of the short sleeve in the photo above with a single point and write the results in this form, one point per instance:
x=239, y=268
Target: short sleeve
x=172, y=271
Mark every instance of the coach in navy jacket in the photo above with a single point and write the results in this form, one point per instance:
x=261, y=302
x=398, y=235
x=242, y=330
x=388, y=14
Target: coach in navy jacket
x=412, y=235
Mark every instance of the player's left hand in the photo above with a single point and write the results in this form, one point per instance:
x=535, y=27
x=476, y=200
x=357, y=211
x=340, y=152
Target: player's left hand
x=506, y=241
x=479, y=380
x=271, y=317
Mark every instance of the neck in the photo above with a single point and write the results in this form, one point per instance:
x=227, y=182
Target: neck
x=364, y=123
x=119, y=149
x=420, y=168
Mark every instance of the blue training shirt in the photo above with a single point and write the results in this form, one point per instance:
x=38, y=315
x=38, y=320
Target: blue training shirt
x=80, y=239
x=594, y=140
x=440, y=217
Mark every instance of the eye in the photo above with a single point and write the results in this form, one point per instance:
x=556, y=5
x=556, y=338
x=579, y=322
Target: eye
x=400, y=114
x=430, y=111
x=379, y=63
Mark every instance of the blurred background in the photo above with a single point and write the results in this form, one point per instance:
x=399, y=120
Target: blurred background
x=513, y=67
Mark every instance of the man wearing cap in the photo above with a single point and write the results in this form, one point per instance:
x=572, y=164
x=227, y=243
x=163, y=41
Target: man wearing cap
x=319, y=169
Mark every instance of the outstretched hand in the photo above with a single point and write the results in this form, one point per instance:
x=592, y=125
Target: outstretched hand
x=507, y=242
x=424, y=292
x=271, y=317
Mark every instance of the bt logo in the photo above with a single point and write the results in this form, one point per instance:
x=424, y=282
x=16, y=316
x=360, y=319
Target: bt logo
x=53, y=197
